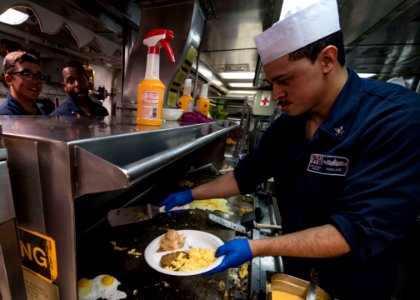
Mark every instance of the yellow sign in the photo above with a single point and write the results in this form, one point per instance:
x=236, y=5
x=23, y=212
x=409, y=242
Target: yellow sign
x=38, y=254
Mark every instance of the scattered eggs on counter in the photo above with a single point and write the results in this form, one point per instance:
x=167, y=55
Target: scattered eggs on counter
x=100, y=287
x=116, y=247
x=134, y=252
x=85, y=289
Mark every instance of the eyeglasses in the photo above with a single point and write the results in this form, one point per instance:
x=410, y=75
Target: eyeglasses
x=28, y=75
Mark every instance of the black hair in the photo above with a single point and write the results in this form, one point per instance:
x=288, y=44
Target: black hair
x=312, y=50
x=77, y=65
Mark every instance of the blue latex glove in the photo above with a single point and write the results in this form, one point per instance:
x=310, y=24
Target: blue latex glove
x=236, y=251
x=177, y=199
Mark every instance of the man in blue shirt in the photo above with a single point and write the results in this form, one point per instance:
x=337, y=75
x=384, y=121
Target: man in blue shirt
x=78, y=102
x=22, y=74
x=344, y=156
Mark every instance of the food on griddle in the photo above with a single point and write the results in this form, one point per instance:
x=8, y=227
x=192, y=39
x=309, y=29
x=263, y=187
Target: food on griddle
x=186, y=183
x=167, y=259
x=193, y=259
x=100, y=287
x=172, y=240
x=221, y=286
x=244, y=210
x=116, y=247
x=212, y=205
x=243, y=271
x=84, y=289
x=230, y=141
x=134, y=252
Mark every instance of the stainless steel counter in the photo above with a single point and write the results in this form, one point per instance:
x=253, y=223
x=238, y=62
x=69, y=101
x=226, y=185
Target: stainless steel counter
x=63, y=170
x=11, y=277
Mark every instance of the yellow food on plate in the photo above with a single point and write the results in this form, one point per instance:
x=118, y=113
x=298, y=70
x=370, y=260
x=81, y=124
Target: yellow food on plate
x=212, y=205
x=170, y=241
x=192, y=259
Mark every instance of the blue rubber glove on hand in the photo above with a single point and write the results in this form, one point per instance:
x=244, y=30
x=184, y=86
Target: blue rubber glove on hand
x=177, y=199
x=236, y=251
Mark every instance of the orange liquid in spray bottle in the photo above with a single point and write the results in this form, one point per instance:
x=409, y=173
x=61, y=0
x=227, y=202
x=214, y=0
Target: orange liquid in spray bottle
x=186, y=102
x=151, y=90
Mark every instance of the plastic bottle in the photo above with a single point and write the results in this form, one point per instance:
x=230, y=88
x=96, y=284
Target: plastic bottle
x=203, y=103
x=151, y=89
x=186, y=102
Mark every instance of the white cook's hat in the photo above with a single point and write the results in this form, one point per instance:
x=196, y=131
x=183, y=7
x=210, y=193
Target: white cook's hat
x=304, y=23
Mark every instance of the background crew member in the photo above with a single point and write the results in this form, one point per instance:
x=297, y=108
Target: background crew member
x=22, y=74
x=78, y=102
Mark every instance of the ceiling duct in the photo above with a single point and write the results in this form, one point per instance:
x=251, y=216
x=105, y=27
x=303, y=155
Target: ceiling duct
x=51, y=23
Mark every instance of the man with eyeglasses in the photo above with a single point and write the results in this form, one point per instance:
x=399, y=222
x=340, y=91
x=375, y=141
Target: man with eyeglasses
x=22, y=74
x=78, y=102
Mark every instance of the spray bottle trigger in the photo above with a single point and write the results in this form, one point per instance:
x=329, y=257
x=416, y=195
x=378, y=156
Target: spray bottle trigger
x=167, y=47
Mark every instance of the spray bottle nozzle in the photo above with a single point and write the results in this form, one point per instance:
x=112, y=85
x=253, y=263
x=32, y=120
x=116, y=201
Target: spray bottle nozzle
x=157, y=38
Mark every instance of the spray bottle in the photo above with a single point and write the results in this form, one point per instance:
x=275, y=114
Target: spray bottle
x=151, y=89
x=186, y=102
x=203, y=103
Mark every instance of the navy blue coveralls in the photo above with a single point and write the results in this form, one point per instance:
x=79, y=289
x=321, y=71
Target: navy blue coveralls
x=359, y=172
x=12, y=107
x=69, y=108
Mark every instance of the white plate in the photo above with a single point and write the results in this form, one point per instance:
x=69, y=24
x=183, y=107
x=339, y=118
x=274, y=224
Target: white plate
x=193, y=239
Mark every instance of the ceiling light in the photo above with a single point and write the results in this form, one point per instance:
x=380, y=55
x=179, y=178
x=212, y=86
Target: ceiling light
x=366, y=75
x=240, y=84
x=242, y=92
x=237, y=75
x=13, y=17
x=217, y=82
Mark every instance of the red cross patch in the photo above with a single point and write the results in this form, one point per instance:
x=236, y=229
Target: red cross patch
x=265, y=101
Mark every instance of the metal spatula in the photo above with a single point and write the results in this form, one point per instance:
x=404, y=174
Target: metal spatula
x=313, y=285
x=133, y=214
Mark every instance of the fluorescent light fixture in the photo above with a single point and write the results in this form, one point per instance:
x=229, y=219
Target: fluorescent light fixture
x=242, y=92
x=237, y=75
x=366, y=75
x=240, y=84
x=13, y=17
x=217, y=82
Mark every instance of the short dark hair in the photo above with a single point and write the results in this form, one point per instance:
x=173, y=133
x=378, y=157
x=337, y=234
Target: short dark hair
x=18, y=57
x=312, y=50
x=77, y=65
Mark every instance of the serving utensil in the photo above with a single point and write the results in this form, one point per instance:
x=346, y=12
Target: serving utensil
x=313, y=285
x=134, y=214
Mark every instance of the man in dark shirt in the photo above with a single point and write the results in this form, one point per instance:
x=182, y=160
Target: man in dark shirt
x=78, y=102
x=344, y=156
x=22, y=74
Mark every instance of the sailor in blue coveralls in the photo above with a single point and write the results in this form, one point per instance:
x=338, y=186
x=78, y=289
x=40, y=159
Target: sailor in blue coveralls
x=345, y=158
x=78, y=102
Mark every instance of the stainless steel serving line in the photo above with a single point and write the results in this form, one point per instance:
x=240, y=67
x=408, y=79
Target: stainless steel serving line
x=67, y=173
x=11, y=277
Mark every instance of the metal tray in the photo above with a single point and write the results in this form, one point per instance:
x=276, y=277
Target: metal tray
x=294, y=286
